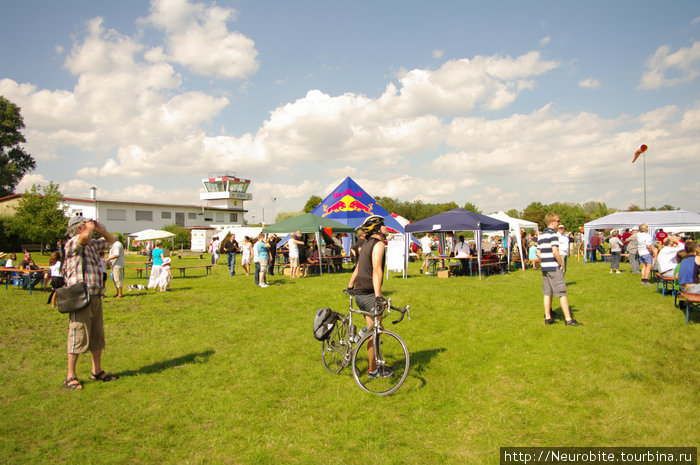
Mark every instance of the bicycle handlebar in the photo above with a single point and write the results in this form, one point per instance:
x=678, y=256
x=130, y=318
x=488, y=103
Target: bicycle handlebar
x=385, y=303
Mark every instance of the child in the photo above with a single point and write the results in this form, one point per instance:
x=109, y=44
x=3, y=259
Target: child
x=56, y=276
x=165, y=275
x=532, y=254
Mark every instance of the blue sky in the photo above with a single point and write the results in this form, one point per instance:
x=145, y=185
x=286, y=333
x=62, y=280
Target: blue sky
x=495, y=103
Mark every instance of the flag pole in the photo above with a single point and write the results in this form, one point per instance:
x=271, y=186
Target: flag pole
x=645, y=180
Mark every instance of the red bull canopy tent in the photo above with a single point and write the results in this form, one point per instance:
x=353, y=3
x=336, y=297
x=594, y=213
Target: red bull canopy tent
x=350, y=204
x=460, y=220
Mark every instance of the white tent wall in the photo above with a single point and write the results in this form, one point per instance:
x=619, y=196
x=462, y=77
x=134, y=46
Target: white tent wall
x=674, y=220
x=516, y=224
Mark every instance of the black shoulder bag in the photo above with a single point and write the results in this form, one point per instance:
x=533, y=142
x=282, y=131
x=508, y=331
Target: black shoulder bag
x=73, y=298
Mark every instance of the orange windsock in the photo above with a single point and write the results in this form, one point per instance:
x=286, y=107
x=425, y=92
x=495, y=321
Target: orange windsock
x=639, y=151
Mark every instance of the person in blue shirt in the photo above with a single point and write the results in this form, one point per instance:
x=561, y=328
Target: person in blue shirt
x=156, y=265
x=261, y=249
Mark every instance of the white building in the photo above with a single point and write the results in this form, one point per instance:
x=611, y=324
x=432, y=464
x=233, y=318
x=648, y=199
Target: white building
x=222, y=207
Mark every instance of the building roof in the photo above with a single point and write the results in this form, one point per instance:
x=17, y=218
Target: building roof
x=130, y=202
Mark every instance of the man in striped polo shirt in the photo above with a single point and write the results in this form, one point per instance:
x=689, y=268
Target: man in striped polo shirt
x=553, y=283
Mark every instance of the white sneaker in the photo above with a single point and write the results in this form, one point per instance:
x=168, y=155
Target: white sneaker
x=263, y=285
x=618, y=272
x=611, y=271
x=427, y=272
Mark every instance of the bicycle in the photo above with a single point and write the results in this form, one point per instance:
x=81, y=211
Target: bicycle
x=345, y=347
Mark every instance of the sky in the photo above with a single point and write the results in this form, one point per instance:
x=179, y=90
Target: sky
x=497, y=103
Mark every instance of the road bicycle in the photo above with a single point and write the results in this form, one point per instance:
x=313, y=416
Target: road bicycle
x=346, y=347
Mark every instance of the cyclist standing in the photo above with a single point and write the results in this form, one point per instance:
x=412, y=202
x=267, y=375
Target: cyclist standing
x=366, y=280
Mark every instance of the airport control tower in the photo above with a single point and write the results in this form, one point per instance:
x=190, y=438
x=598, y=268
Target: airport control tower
x=225, y=191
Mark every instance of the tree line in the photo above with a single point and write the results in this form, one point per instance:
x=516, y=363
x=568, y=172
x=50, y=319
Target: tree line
x=573, y=215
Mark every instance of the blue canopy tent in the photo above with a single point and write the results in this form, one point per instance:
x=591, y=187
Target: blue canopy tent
x=460, y=220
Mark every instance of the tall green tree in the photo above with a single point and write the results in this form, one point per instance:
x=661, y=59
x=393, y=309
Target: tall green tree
x=14, y=161
x=513, y=213
x=40, y=217
x=471, y=207
x=535, y=212
x=313, y=202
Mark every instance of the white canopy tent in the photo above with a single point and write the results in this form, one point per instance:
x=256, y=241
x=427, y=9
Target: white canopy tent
x=672, y=220
x=150, y=235
x=515, y=224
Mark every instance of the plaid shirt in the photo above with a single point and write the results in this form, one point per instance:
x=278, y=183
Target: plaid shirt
x=73, y=267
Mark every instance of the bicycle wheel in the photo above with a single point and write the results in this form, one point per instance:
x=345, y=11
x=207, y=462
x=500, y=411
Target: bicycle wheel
x=335, y=350
x=392, y=354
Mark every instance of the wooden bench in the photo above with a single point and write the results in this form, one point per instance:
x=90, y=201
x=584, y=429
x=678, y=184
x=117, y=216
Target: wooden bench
x=183, y=269
x=663, y=284
x=21, y=283
x=692, y=302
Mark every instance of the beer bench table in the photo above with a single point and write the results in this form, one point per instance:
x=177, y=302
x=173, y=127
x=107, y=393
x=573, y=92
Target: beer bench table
x=692, y=302
x=20, y=272
x=183, y=269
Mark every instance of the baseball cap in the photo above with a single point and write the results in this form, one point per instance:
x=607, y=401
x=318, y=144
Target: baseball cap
x=77, y=220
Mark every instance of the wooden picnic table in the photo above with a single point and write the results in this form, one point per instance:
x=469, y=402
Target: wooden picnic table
x=183, y=269
x=21, y=271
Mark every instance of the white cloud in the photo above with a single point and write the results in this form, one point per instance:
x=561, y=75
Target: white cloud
x=666, y=69
x=198, y=38
x=545, y=41
x=589, y=83
x=437, y=54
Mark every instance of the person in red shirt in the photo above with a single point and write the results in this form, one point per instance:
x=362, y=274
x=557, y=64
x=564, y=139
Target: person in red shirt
x=661, y=235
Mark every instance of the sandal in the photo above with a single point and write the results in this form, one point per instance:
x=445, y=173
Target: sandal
x=73, y=384
x=102, y=376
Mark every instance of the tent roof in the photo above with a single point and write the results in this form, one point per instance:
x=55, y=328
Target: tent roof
x=308, y=223
x=151, y=234
x=677, y=219
x=514, y=221
x=350, y=204
x=458, y=220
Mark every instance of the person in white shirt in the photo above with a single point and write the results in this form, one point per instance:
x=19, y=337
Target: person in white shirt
x=293, y=243
x=646, y=259
x=667, y=256
x=462, y=252
x=563, y=239
x=116, y=259
x=426, y=243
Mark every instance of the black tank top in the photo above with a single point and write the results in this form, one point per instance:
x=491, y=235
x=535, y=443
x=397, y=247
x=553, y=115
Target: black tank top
x=363, y=282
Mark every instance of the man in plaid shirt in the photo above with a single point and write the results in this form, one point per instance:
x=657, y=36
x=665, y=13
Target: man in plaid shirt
x=85, y=328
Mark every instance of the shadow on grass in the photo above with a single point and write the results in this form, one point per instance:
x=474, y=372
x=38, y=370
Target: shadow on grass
x=419, y=361
x=196, y=357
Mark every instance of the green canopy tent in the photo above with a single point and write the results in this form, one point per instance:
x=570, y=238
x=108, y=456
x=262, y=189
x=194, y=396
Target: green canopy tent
x=308, y=224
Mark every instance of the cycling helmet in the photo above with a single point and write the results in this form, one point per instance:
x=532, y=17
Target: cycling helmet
x=371, y=224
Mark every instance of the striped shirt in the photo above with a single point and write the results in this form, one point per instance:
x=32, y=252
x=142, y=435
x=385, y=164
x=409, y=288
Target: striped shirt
x=73, y=267
x=545, y=241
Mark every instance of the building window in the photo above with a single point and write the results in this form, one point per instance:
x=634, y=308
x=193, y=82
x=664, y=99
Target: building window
x=233, y=217
x=114, y=214
x=166, y=215
x=191, y=216
x=144, y=215
x=220, y=218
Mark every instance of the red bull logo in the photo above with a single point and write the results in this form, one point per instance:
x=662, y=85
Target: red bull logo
x=347, y=192
x=347, y=204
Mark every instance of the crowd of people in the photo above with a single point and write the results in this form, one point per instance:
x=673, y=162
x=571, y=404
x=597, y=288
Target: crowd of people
x=666, y=255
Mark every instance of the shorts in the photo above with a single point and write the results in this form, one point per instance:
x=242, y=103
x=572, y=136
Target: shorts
x=118, y=276
x=263, y=266
x=294, y=262
x=86, y=328
x=646, y=259
x=365, y=302
x=553, y=283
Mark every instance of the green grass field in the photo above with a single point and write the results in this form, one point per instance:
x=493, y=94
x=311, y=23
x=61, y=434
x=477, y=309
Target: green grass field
x=221, y=371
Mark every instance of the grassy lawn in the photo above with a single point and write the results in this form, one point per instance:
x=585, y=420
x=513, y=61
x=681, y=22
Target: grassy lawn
x=221, y=371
